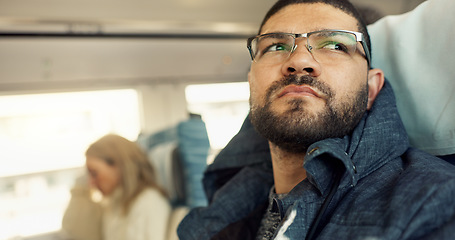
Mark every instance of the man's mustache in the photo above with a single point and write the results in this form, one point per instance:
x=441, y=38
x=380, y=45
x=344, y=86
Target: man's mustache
x=300, y=80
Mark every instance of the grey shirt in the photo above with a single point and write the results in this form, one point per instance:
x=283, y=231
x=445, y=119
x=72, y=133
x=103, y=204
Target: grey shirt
x=271, y=218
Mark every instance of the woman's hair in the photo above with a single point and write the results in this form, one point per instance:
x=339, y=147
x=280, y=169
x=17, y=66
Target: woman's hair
x=135, y=169
x=343, y=5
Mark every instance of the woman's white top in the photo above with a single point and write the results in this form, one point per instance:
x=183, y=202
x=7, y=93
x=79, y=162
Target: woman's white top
x=146, y=220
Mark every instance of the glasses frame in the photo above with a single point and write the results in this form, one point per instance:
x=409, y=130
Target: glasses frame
x=358, y=37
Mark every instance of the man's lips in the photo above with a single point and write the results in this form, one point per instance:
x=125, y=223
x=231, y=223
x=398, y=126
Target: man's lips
x=299, y=90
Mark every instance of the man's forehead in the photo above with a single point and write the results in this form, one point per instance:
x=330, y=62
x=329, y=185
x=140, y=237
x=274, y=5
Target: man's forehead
x=308, y=17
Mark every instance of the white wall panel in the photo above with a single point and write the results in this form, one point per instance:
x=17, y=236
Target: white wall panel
x=86, y=62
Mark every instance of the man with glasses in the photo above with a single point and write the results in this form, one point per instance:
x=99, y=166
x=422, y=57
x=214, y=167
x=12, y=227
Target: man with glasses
x=338, y=163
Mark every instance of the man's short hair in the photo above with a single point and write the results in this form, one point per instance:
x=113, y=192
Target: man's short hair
x=343, y=5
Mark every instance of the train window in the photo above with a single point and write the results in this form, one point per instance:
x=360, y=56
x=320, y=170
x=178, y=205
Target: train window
x=43, y=138
x=223, y=108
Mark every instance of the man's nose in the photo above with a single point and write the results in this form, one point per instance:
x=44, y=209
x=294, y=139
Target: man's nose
x=301, y=61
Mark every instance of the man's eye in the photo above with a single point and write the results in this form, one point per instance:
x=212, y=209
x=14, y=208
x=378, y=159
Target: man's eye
x=277, y=48
x=336, y=46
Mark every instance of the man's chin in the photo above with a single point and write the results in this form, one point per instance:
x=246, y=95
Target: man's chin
x=292, y=147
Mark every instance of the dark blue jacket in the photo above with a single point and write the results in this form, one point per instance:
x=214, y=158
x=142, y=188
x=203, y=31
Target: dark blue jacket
x=368, y=185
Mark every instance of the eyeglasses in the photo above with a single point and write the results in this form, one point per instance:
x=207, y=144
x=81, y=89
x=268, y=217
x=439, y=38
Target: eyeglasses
x=324, y=45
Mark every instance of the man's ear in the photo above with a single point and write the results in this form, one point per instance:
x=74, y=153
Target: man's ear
x=375, y=83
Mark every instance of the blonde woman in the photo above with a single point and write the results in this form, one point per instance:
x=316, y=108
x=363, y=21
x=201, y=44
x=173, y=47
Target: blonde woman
x=134, y=206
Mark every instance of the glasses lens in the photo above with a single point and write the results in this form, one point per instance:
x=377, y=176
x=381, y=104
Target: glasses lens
x=272, y=47
x=332, y=44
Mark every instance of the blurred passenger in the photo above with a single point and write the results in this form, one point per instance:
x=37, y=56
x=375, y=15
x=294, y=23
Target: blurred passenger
x=82, y=219
x=134, y=207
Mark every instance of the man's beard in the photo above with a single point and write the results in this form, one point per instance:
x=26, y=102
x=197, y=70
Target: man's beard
x=297, y=128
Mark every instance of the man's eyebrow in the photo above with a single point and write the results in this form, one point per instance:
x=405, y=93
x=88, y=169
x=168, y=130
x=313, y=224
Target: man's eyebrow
x=313, y=30
x=275, y=34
